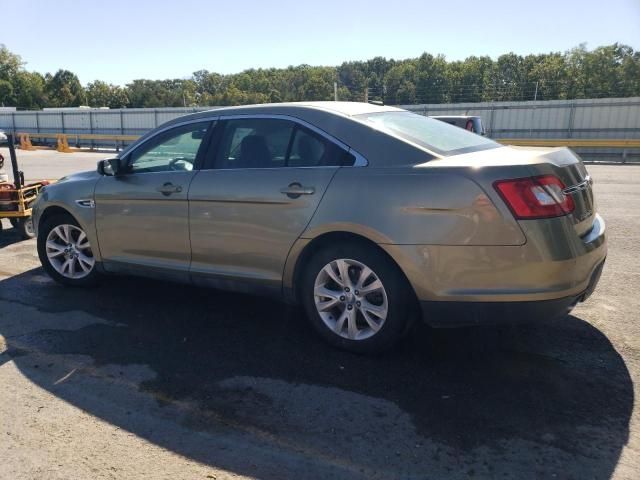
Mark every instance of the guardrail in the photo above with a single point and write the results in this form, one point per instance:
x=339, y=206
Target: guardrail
x=119, y=141
x=572, y=142
x=618, y=150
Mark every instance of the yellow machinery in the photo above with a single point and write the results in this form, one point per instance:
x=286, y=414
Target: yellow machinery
x=17, y=198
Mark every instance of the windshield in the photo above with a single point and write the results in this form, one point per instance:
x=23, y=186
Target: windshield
x=434, y=135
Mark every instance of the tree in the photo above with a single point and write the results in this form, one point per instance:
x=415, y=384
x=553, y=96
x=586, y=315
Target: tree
x=29, y=90
x=10, y=63
x=64, y=89
x=610, y=70
x=6, y=92
x=102, y=94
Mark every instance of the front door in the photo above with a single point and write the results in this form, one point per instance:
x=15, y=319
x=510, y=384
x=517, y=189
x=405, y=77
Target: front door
x=267, y=180
x=142, y=215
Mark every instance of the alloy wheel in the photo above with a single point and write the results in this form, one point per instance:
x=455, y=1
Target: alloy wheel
x=69, y=252
x=350, y=299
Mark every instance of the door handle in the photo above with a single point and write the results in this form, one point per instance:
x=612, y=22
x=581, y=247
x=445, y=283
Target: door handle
x=294, y=190
x=169, y=188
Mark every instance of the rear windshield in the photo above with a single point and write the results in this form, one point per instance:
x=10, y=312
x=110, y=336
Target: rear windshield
x=434, y=135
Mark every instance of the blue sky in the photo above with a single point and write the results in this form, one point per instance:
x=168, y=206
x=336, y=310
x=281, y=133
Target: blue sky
x=118, y=41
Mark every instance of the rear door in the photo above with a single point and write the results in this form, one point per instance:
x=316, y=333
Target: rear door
x=142, y=215
x=264, y=184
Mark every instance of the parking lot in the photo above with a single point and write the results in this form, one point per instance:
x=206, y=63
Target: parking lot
x=144, y=379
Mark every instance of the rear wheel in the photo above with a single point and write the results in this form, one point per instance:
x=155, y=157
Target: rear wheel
x=65, y=252
x=357, y=298
x=25, y=226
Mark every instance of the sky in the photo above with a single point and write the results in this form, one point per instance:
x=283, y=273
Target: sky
x=118, y=41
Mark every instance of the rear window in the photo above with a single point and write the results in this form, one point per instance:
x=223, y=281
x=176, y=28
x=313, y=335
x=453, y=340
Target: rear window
x=434, y=135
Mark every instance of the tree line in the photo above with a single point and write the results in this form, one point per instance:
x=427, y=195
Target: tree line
x=606, y=71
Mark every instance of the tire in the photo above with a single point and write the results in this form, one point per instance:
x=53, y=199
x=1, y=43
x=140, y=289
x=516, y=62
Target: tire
x=327, y=313
x=25, y=226
x=70, y=247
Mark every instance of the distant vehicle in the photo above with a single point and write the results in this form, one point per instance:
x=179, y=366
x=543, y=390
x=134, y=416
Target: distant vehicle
x=472, y=124
x=366, y=215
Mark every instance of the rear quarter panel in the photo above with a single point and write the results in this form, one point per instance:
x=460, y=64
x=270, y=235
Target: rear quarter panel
x=413, y=206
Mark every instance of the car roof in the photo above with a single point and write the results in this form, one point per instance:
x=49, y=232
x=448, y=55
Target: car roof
x=344, y=108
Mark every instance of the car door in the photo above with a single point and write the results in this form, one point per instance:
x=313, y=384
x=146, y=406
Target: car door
x=142, y=214
x=264, y=184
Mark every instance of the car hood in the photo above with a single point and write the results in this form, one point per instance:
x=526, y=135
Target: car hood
x=74, y=177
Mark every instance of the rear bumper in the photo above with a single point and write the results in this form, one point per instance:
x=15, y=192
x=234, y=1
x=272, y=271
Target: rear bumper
x=458, y=314
x=554, y=263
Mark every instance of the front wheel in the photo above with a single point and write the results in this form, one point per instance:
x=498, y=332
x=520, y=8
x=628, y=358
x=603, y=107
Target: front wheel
x=25, y=227
x=357, y=298
x=65, y=252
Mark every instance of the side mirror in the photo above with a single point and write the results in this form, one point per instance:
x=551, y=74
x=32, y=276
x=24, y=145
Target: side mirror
x=109, y=167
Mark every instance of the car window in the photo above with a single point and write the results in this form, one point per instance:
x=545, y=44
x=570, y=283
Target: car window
x=434, y=135
x=173, y=150
x=273, y=143
x=311, y=150
x=254, y=143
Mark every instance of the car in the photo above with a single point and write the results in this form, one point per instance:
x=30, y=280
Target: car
x=370, y=217
x=470, y=123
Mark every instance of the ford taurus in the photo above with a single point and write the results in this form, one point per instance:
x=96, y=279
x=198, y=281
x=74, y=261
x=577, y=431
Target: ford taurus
x=368, y=216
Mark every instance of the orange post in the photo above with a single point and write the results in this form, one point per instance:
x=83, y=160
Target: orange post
x=63, y=144
x=25, y=142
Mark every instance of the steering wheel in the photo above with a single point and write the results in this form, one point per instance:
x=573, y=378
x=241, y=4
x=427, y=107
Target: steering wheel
x=180, y=164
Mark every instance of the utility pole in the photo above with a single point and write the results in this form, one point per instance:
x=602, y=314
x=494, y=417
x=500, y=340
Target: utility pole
x=335, y=91
x=535, y=95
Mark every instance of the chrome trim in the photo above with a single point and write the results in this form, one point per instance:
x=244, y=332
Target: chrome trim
x=588, y=181
x=597, y=230
x=360, y=160
x=86, y=203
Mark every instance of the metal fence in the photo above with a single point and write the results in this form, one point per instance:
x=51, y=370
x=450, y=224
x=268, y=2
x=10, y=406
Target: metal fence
x=610, y=118
x=606, y=118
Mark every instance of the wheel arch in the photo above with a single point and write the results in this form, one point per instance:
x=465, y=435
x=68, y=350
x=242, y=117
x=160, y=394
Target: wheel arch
x=84, y=219
x=292, y=290
x=51, y=211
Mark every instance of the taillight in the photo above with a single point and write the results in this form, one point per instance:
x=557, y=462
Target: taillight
x=535, y=197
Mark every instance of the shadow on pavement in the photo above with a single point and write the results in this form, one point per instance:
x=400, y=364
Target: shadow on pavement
x=540, y=400
x=8, y=234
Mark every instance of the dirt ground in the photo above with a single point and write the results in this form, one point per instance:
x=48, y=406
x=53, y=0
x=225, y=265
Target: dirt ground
x=143, y=379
